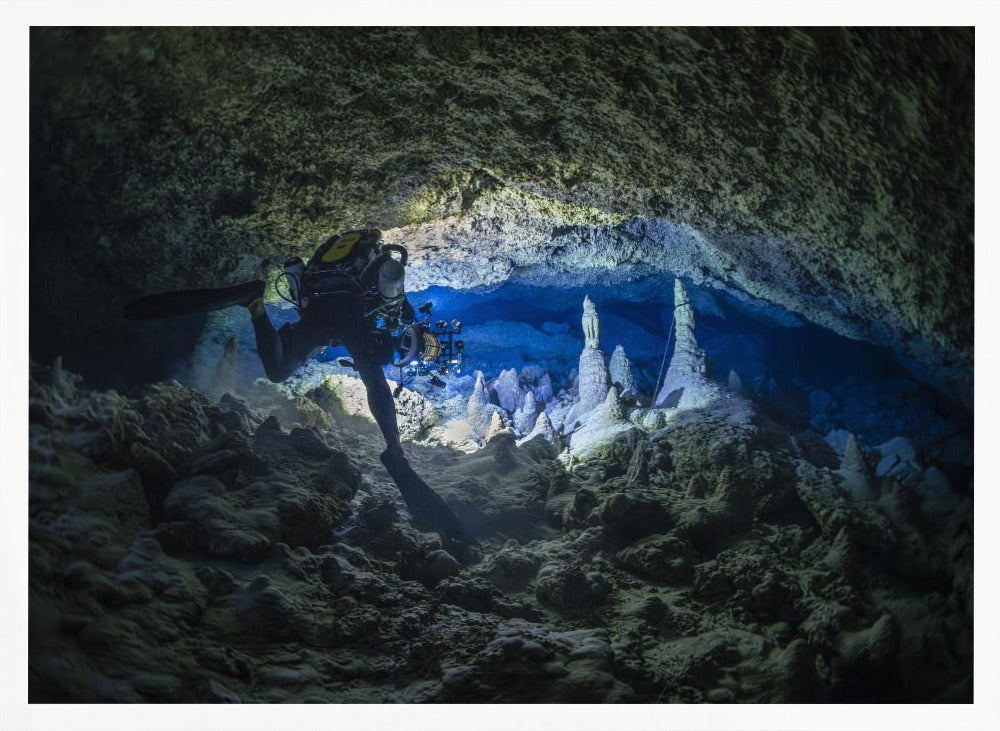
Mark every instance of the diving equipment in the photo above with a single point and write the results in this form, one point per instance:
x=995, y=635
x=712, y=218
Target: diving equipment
x=424, y=348
x=186, y=301
x=355, y=263
x=429, y=511
x=390, y=279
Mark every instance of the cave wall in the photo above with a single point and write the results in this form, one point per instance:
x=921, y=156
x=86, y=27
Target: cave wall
x=827, y=170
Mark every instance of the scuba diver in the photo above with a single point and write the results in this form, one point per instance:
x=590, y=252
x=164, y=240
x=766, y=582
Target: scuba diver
x=351, y=293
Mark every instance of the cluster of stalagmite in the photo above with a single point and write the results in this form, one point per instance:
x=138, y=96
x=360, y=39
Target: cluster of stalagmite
x=604, y=392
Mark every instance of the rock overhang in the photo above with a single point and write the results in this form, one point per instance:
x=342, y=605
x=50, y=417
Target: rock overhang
x=826, y=170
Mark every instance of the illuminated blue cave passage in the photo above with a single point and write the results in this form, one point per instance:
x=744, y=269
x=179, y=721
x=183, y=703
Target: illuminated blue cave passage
x=799, y=373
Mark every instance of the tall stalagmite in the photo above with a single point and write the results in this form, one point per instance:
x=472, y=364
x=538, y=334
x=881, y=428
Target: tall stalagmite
x=689, y=367
x=478, y=411
x=594, y=377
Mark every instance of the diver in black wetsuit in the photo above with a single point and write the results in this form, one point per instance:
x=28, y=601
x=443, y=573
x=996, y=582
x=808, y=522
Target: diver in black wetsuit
x=350, y=282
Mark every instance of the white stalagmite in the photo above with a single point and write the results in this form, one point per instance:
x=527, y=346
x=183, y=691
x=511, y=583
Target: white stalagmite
x=600, y=427
x=689, y=369
x=611, y=409
x=620, y=368
x=594, y=377
x=478, y=411
x=508, y=390
x=524, y=418
x=543, y=428
x=856, y=472
x=591, y=324
x=495, y=427
x=735, y=382
x=543, y=391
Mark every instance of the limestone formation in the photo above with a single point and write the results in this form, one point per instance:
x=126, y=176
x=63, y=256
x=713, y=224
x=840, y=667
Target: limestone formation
x=225, y=372
x=543, y=428
x=686, y=381
x=508, y=389
x=698, y=579
x=611, y=409
x=478, y=411
x=594, y=377
x=524, y=417
x=735, y=382
x=620, y=368
x=591, y=324
x=787, y=230
x=495, y=427
x=543, y=391
x=414, y=413
x=856, y=472
x=600, y=427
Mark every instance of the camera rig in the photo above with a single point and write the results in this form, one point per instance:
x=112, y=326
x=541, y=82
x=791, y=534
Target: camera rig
x=428, y=349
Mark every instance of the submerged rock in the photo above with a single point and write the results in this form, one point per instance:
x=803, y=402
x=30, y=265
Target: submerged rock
x=706, y=562
x=415, y=413
x=543, y=429
x=508, y=390
x=600, y=428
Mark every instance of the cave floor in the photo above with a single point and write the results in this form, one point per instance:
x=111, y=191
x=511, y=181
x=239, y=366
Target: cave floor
x=705, y=561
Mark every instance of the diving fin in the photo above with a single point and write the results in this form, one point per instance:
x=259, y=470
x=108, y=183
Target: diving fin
x=428, y=509
x=187, y=301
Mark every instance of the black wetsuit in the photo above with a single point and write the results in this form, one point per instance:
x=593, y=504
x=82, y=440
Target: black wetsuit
x=341, y=320
x=331, y=319
x=335, y=320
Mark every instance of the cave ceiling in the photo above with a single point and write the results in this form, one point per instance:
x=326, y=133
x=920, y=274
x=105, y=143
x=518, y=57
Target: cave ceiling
x=827, y=170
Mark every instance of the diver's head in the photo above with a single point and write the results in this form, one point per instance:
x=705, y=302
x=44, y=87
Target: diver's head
x=390, y=279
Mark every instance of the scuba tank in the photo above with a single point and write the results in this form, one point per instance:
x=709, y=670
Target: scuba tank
x=355, y=262
x=390, y=280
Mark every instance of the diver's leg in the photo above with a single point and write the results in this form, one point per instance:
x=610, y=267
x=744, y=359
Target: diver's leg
x=380, y=401
x=428, y=509
x=168, y=304
x=281, y=351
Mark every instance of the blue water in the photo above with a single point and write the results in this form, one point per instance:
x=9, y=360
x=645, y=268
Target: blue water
x=800, y=372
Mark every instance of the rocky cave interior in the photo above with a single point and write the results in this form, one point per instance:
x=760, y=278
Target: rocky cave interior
x=790, y=210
